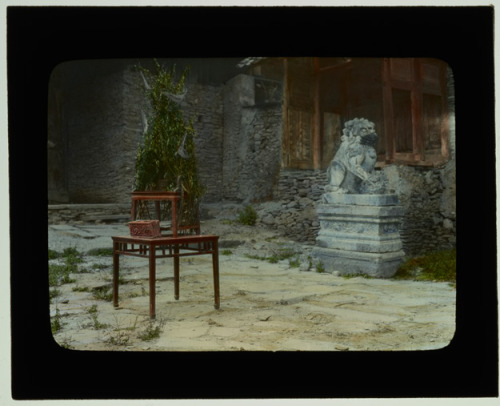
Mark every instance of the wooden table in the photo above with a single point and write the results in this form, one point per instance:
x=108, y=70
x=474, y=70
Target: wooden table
x=157, y=197
x=167, y=247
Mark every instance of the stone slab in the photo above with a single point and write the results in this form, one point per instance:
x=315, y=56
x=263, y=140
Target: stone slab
x=360, y=244
x=362, y=199
x=359, y=234
x=72, y=231
x=379, y=265
x=377, y=212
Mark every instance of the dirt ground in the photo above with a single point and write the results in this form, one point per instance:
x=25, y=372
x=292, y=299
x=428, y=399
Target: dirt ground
x=264, y=306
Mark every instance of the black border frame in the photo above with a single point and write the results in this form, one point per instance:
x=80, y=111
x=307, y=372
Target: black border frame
x=39, y=38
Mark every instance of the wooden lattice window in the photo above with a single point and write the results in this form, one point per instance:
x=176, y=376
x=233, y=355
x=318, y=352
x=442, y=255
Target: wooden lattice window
x=415, y=111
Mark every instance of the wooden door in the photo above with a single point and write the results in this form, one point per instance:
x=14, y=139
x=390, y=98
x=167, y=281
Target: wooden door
x=299, y=114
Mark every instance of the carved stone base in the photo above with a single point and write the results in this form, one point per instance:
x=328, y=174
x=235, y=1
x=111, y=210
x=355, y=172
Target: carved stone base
x=359, y=234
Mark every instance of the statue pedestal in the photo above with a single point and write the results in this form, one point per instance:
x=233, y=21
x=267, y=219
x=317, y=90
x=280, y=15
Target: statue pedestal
x=359, y=234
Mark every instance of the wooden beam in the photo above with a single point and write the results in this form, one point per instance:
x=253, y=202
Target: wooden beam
x=445, y=117
x=390, y=142
x=285, y=153
x=316, y=133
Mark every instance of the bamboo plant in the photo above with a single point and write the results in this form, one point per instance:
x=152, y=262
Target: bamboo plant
x=166, y=158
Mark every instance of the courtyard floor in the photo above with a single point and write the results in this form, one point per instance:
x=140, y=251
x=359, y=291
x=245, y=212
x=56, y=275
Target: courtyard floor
x=265, y=305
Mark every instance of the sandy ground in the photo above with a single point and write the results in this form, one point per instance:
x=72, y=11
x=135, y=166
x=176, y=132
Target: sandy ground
x=264, y=306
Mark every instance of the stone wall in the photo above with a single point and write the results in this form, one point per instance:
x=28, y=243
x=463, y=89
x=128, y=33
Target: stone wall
x=203, y=105
x=428, y=198
x=252, y=142
x=94, y=129
x=294, y=210
x=88, y=213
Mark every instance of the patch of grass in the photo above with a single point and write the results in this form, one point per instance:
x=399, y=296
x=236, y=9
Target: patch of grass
x=258, y=257
x=54, y=254
x=81, y=289
x=273, y=259
x=320, y=268
x=277, y=256
x=438, y=266
x=119, y=338
x=247, y=216
x=100, y=252
x=285, y=253
x=99, y=266
x=103, y=293
x=356, y=275
x=92, y=311
x=226, y=252
x=53, y=293
x=294, y=263
x=55, y=323
x=152, y=331
x=72, y=256
x=60, y=274
x=120, y=335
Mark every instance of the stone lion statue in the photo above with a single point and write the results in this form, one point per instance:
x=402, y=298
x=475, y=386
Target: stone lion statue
x=352, y=168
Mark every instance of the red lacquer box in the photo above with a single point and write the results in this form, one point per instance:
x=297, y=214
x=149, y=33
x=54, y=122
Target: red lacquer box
x=145, y=228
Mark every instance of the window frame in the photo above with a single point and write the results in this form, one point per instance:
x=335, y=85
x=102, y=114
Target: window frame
x=418, y=86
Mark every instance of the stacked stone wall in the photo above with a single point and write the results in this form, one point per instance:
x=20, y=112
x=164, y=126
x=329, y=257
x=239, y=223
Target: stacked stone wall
x=429, y=200
x=97, y=132
x=294, y=210
x=95, y=128
x=252, y=143
x=203, y=105
x=75, y=214
x=100, y=107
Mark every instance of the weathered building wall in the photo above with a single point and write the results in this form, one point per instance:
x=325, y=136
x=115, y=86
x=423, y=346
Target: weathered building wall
x=252, y=142
x=203, y=104
x=95, y=127
x=96, y=133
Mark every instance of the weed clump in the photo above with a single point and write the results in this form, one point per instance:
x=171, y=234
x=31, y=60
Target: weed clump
x=55, y=323
x=100, y=252
x=438, y=266
x=151, y=332
x=247, y=216
x=103, y=293
x=93, y=313
x=277, y=256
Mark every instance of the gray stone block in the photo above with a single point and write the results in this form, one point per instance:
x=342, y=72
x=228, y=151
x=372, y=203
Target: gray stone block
x=360, y=234
x=362, y=199
x=379, y=265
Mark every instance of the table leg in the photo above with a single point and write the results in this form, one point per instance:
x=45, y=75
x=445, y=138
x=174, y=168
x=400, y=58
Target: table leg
x=215, y=268
x=152, y=281
x=174, y=218
x=116, y=270
x=176, y=271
